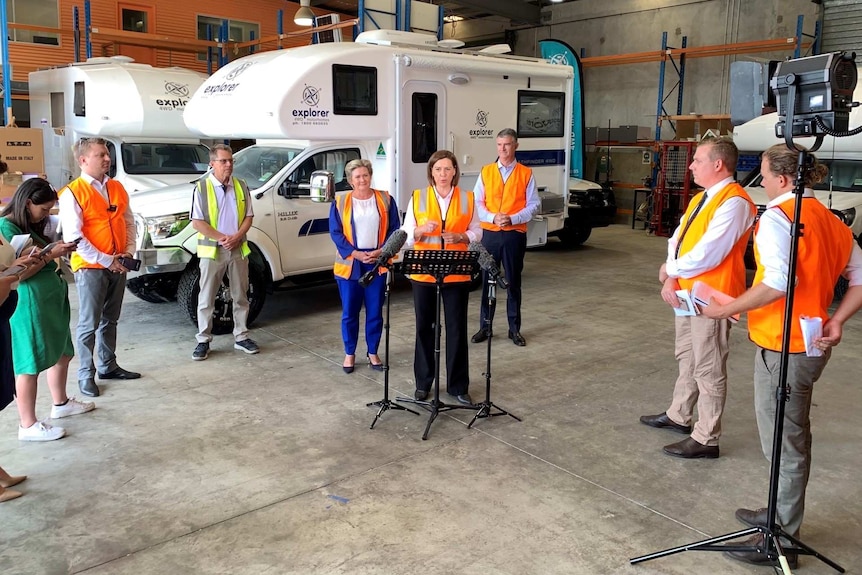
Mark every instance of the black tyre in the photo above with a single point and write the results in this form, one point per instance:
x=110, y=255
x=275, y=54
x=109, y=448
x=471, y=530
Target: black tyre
x=574, y=237
x=841, y=288
x=189, y=289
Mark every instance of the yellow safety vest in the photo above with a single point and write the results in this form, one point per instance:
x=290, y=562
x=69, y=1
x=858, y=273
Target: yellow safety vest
x=209, y=206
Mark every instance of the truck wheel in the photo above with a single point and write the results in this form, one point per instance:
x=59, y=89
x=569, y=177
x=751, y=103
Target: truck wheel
x=155, y=289
x=189, y=289
x=573, y=237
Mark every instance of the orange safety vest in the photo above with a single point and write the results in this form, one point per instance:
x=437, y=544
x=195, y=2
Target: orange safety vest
x=729, y=275
x=509, y=198
x=103, y=227
x=824, y=250
x=458, y=218
x=344, y=266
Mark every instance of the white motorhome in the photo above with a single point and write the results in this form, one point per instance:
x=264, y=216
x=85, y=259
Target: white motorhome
x=842, y=191
x=318, y=107
x=135, y=107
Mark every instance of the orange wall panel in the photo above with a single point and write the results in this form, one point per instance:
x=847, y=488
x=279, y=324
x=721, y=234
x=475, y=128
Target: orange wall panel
x=177, y=19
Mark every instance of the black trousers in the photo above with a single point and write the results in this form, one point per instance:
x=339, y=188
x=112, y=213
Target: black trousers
x=506, y=247
x=455, y=297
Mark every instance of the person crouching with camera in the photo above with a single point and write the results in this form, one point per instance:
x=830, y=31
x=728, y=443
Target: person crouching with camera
x=95, y=213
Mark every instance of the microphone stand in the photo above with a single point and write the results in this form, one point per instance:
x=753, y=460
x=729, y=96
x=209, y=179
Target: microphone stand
x=385, y=404
x=486, y=406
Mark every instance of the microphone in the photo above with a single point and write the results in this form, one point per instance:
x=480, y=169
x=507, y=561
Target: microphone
x=387, y=252
x=488, y=265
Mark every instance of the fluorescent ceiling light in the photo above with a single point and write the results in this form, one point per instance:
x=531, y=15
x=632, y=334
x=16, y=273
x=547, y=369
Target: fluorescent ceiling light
x=452, y=18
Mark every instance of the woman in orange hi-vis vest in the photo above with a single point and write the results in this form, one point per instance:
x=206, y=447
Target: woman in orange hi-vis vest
x=442, y=217
x=360, y=222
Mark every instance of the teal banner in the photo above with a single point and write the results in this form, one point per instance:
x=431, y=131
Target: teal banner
x=557, y=52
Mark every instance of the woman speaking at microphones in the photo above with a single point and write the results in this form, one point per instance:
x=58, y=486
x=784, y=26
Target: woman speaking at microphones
x=442, y=217
x=360, y=223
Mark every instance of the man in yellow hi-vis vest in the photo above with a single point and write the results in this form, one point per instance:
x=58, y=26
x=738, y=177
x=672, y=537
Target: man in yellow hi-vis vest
x=222, y=215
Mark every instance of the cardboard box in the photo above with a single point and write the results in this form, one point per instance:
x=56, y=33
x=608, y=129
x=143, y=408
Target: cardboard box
x=22, y=150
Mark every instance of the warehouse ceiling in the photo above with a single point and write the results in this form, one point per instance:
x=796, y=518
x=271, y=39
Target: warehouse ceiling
x=518, y=11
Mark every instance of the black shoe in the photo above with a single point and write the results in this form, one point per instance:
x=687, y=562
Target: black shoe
x=688, y=448
x=88, y=387
x=374, y=366
x=481, y=335
x=752, y=518
x=349, y=368
x=662, y=420
x=762, y=557
x=517, y=338
x=421, y=394
x=201, y=352
x=119, y=373
x=463, y=399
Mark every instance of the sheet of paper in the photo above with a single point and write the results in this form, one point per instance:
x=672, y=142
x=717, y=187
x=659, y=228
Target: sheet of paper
x=20, y=242
x=686, y=306
x=812, y=328
x=701, y=293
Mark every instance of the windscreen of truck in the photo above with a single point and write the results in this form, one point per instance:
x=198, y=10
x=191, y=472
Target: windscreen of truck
x=844, y=176
x=147, y=159
x=257, y=164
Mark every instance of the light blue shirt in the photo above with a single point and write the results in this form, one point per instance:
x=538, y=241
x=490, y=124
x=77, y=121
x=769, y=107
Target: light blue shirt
x=520, y=217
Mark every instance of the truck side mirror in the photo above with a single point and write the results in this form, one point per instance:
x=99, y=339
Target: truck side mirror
x=322, y=186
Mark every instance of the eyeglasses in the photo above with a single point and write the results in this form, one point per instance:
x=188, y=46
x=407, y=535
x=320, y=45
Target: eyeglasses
x=224, y=161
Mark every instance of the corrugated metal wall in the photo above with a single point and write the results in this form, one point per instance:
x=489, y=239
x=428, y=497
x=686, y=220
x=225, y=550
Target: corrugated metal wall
x=177, y=19
x=842, y=26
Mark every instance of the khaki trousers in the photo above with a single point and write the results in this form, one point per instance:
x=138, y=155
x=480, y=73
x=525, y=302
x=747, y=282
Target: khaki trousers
x=701, y=350
x=212, y=272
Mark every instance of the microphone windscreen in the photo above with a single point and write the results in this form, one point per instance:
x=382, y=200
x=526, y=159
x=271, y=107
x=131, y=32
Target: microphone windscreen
x=393, y=244
x=486, y=262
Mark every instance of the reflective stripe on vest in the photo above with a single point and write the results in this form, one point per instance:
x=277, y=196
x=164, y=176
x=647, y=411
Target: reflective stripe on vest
x=344, y=266
x=95, y=213
x=824, y=250
x=209, y=206
x=505, y=198
x=729, y=275
x=458, y=218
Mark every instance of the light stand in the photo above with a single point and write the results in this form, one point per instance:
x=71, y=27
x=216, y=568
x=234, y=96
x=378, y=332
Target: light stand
x=486, y=406
x=385, y=404
x=771, y=547
x=440, y=264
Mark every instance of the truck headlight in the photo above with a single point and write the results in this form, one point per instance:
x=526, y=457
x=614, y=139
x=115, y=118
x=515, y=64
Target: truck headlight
x=847, y=216
x=167, y=226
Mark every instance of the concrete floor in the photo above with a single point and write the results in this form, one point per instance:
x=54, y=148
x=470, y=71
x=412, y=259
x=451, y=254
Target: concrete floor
x=265, y=464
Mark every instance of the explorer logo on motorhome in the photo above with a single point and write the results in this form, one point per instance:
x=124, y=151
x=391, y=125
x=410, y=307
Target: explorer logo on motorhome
x=482, y=133
x=180, y=93
x=310, y=115
x=229, y=85
x=177, y=89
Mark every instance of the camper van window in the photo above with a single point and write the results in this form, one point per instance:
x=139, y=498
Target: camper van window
x=354, y=90
x=844, y=176
x=259, y=164
x=540, y=114
x=158, y=158
x=424, y=127
x=79, y=102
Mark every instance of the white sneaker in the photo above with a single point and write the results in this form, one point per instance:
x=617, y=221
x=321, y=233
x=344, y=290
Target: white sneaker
x=72, y=407
x=40, y=432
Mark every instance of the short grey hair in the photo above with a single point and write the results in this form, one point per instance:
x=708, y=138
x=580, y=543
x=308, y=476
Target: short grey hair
x=83, y=145
x=356, y=164
x=214, y=151
x=508, y=133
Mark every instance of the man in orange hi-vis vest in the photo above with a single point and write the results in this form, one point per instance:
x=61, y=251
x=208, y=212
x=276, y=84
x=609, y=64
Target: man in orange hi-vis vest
x=827, y=250
x=95, y=212
x=708, y=246
x=506, y=199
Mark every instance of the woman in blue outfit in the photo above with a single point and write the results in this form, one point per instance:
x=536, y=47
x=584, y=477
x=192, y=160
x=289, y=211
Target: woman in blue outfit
x=360, y=222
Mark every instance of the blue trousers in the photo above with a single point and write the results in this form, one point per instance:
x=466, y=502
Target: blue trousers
x=353, y=296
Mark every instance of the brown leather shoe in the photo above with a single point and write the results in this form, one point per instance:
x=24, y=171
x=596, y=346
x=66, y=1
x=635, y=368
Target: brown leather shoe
x=761, y=557
x=662, y=420
x=752, y=518
x=688, y=448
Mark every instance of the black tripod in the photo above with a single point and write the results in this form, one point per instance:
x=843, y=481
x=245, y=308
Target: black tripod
x=440, y=264
x=385, y=404
x=772, y=532
x=485, y=408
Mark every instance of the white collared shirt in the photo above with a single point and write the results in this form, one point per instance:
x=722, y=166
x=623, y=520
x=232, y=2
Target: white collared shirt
x=729, y=223
x=519, y=217
x=228, y=219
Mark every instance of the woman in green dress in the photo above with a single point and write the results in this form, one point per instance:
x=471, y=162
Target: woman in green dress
x=41, y=338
